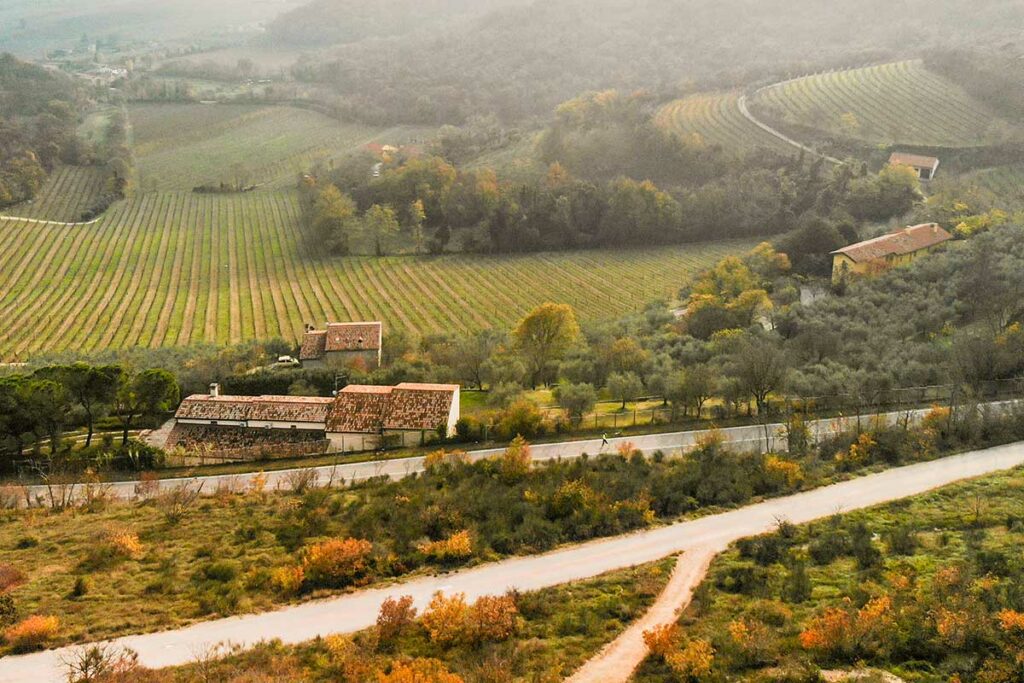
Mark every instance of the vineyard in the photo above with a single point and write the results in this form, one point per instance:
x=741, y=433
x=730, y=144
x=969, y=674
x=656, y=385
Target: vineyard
x=179, y=146
x=68, y=192
x=716, y=119
x=900, y=102
x=175, y=268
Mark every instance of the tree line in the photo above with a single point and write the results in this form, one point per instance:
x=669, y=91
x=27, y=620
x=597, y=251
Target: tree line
x=39, y=407
x=612, y=179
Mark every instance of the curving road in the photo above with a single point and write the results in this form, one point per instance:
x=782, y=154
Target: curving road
x=358, y=610
x=750, y=437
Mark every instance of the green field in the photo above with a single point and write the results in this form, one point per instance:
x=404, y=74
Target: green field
x=179, y=146
x=68, y=192
x=174, y=268
x=901, y=102
x=716, y=119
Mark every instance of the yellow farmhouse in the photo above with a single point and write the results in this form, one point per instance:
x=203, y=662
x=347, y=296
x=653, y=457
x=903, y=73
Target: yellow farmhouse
x=895, y=249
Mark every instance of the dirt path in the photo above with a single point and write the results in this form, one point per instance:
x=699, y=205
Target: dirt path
x=745, y=111
x=617, y=661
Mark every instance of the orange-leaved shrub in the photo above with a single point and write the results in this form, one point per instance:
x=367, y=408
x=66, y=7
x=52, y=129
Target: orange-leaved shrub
x=32, y=633
x=419, y=671
x=661, y=640
x=336, y=563
x=456, y=547
x=394, y=617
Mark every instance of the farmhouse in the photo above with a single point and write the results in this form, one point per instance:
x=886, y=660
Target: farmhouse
x=895, y=249
x=359, y=418
x=343, y=345
x=926, y=167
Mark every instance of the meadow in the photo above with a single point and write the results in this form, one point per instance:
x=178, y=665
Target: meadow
x=900, y=102
x=913, y=587
x=177, y=268
x=180, y=146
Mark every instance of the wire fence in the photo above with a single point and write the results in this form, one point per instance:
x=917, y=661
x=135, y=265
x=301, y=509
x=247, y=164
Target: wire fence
x=851, y=403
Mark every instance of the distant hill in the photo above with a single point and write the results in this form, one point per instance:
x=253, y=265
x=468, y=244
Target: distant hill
x=338, y=22
x=521, y=61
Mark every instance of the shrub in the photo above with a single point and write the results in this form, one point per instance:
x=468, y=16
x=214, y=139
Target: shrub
x=123, y=544
x=829, y=547
x=221, y=571
x=456, y=547
x=661, y=640
x=287, y=580
x=783, y=472
x=31, y=633
x=8, y=610
x=693, y=662
x=394, y=617
x=745, y=579
x=80, y=588
x=442, y=457
x=446, y=619
x=419, y=671
x=10, y=577
x=336, y=563
x=494, y=618
x=516, y=460
x=26, y=542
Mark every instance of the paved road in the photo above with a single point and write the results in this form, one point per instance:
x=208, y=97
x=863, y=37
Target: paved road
x=751, y=437
x=358, y=610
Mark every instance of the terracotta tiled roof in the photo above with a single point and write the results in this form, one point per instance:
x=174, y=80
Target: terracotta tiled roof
x=915, y=160
x=359, y=410
x=341, y=337
x=262, y=408
x=313, y=345
x=906, y=241
x=420, y=406
x=369, y=409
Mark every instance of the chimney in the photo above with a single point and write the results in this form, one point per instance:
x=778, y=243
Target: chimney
x=214, y=390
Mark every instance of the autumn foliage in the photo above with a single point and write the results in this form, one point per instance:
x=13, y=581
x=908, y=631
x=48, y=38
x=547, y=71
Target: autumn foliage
x=336, y=563
x=394, y=617
x=31, y=633
x=450, y=620
x=456, y=547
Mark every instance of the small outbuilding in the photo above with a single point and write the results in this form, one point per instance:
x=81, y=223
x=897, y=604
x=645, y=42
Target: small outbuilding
x=343, y=345
x=925, y=166
x=895, y=249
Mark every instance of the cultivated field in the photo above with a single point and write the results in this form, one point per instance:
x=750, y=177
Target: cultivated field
x=179, y=146
x=900, y=102
x=716, y=119
x=68, y=192
x=174, y=268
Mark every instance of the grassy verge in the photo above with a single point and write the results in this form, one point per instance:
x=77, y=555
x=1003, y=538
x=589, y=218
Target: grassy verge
x=928, y=588
x=113, y=568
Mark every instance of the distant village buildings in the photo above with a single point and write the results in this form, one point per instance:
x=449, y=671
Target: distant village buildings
x=925, y=166
x=895, y=249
